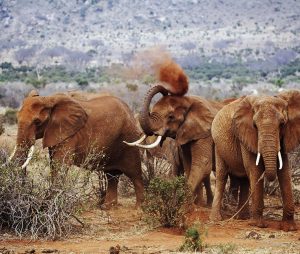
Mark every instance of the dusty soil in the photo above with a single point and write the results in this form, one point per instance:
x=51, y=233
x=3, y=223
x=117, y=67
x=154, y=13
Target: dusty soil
x=124, y=226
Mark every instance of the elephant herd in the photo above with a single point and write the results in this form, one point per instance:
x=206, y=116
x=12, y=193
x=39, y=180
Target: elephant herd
x=244, y=138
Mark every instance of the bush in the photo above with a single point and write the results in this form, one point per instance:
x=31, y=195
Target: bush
x=193, y=240
x=167, y=201
x=36, y=82
x=82, y=82
x=32, y=205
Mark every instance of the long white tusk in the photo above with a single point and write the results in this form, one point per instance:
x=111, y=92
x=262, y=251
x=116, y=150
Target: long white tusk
x=28, y=157
x=156, y=143
x=12, y=155
x=257, y=159
x=280, y=160
x=136, y=142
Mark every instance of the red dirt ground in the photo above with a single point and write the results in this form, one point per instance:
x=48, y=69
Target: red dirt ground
x=123, y=226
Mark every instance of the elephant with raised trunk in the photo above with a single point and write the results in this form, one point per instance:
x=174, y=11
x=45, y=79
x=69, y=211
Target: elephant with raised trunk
x=252, y=137
x=73, y=129
x=186, y=119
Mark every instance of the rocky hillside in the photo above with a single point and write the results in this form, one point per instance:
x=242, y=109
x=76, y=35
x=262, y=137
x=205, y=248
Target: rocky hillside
x=95, y=32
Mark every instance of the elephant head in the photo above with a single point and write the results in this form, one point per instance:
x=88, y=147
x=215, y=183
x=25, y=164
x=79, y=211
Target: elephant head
x=174, y=114
x=180, y=117
x=268, y=126
x=53, y=118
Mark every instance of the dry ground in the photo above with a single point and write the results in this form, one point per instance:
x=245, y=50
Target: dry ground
x=123, y=226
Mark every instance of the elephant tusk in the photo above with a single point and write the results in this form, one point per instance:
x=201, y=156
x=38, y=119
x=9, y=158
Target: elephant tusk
x=136, y=142
x=28, y=157
x=257, y=159
x=156, y=143
x=12, y=155
x=280, y=160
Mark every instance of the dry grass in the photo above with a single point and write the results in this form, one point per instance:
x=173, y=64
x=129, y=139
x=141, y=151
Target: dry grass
x=33, y=206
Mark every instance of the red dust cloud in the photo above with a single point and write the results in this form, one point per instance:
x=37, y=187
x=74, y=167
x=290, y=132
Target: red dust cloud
x=158, y=62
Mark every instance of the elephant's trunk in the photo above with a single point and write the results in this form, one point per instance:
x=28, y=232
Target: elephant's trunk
x=270, y=161
x=24, y=149
x=149, y=121
x=269, y=146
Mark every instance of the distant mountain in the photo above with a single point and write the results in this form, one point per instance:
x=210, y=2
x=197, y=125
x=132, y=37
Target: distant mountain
x=93, y=32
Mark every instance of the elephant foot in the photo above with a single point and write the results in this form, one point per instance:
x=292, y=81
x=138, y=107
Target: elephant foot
x=138, y=206
x=209, y=201
x=243, y=216
x=288, y=225
x=108, y=205
x=258, y=223
x=199, y=201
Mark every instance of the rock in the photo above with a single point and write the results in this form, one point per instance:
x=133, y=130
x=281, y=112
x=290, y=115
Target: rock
x=30, y=251
x=253, y=235
x=49, y=251
x=114, y=250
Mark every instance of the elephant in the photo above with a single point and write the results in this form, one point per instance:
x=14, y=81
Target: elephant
x=168, y=151
x=187, y=120
x=71, y=128
x=246, y=130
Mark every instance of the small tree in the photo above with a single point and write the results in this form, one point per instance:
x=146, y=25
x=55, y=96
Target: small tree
x=167, y=201
x=193, y=240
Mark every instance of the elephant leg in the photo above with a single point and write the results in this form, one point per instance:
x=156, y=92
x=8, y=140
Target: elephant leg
x=150, y=166
x=111, y=197
x=257, y=204
x=221, y=177
x=201, y=166
x=198, y=199
x=178, y=166
x=244, y=185
x=234, y=187
x=209, y=193
x=61, y=157
x=131, y=167
x=285, y=183
x=186, y=159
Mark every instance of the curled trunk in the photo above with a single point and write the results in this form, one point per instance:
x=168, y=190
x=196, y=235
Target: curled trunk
x=148, y=121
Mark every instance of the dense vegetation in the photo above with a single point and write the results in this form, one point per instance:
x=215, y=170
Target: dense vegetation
x=236, y=71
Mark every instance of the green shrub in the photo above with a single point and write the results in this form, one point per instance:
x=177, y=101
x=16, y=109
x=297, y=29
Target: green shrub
x=167, y=201
x=82, y=82
x=36, y=82
x=193, y=240
x=132, y=87
x=278, y=82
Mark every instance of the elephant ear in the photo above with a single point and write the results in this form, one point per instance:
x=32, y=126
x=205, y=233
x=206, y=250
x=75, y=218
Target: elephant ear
x=243, y=126
x=196, y=125
x=66, y=118
x=292, y=128
x=33, y=93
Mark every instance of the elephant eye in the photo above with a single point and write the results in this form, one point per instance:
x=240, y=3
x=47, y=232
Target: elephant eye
x=282, y=123
x=254, y=125
x=37, y=121
x=171, y=117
